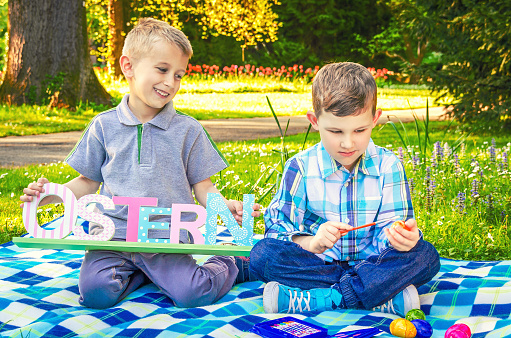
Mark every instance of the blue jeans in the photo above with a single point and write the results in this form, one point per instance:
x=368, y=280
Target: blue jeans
x=363, y=286
x=106, y=277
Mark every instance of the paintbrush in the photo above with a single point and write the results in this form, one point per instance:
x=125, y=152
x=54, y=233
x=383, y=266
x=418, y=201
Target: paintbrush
x=370, y=224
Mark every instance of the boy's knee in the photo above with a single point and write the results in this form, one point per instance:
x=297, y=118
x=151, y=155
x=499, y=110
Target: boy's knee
x=189, y=298
x=257, y=252
x=97, y=296
x=431, y=259
x=260, y=252
x=98, y=293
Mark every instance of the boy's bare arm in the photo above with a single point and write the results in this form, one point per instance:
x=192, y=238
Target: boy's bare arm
x=204, y=187
x=80, y=186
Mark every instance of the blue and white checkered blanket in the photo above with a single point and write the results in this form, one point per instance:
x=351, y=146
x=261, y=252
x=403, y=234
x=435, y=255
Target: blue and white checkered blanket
x=39, y=298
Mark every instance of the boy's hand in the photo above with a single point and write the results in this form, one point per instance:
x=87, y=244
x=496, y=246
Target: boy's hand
x=328, y=234
x=33, y=189
x=402, y=239
x=236, y=207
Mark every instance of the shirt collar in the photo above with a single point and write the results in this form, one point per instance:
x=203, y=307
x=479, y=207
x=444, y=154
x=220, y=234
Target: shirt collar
x=162, y=120
x=327, y=165
x=368, y=163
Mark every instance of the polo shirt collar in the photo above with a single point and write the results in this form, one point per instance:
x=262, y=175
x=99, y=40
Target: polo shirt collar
x=162, y=120
x=368, y=163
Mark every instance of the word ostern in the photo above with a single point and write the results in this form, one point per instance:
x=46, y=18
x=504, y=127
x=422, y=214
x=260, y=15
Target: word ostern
x=139, y=211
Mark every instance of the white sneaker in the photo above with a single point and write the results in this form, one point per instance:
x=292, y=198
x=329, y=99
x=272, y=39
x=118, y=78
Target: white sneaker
x=401, y=303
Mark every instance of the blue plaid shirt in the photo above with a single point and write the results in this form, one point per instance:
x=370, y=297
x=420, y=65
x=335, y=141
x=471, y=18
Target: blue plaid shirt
x=315, y=189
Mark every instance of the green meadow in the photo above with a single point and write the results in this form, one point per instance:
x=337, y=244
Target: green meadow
x=203, y=99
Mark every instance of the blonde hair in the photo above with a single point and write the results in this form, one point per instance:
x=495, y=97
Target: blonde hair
x=148, y=31
x=343, y=89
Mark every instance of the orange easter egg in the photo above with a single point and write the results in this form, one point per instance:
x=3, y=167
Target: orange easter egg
x=399, y=224
x=403, y=328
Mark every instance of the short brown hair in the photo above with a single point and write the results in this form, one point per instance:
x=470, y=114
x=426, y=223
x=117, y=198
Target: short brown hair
x=141, y=38
x=343, y=89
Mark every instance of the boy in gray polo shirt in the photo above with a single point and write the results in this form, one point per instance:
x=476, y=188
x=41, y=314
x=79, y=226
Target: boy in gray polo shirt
x=145, y=148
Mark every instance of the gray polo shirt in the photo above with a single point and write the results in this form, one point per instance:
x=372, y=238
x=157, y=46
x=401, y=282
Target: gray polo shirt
x=162, y=158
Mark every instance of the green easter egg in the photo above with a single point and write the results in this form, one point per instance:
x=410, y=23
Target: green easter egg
x=415, y=314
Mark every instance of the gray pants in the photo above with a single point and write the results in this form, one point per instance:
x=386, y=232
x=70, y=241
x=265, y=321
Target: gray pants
x=106, y=277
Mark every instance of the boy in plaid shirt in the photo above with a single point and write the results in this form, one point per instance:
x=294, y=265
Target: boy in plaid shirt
x=307, y=258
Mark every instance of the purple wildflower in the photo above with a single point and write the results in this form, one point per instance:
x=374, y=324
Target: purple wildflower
x=475, y=189
x=434, y=163
x=492, y=151
x=416, y=161
x=460, y=202
x=430, y=189
x=438, y=152
x=400, y=154
x=505, y=162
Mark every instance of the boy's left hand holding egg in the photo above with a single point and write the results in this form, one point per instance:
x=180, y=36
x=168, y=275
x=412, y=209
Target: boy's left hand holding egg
x=402, y=239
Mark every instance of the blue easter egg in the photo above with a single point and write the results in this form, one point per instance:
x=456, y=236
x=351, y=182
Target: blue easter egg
x=424, y=329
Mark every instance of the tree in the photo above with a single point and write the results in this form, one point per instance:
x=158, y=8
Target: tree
x=405, y=37
x=48, y=59
x=473, y=37
x=249, y=21
x=124, y=14
x=118, y=15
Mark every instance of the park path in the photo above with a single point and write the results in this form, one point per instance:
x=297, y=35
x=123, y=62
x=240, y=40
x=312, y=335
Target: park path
x=18, y=151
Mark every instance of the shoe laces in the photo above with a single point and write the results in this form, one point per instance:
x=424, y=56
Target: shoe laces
x=389, y=306
x=298, y=298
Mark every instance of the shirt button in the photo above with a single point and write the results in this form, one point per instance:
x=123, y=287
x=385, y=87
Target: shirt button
x=347, y=220
x=346, y=184
x=301, y=227
x=348, y=258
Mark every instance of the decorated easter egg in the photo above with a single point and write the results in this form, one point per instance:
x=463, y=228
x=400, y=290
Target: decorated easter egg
x=402, y=328
x=415, y=314
x=424, y=329
x=458, y=331
x=399, y=224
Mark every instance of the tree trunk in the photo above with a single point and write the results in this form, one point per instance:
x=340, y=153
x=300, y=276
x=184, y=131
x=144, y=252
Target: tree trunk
x=48, y=59
x=118, y=14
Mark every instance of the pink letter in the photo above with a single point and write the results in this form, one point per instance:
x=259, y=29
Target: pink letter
x=134, y=204
x=192, y=227
x=64, y=226
x=96, y=217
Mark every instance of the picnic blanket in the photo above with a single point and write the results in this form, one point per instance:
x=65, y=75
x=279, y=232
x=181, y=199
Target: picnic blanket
x=39, y=298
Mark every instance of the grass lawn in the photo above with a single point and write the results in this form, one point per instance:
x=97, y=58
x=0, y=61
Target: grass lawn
x=236, y=105
x=203, y=100
x=461, y=196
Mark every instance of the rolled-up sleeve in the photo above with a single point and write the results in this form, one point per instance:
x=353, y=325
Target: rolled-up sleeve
x=286, y=211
